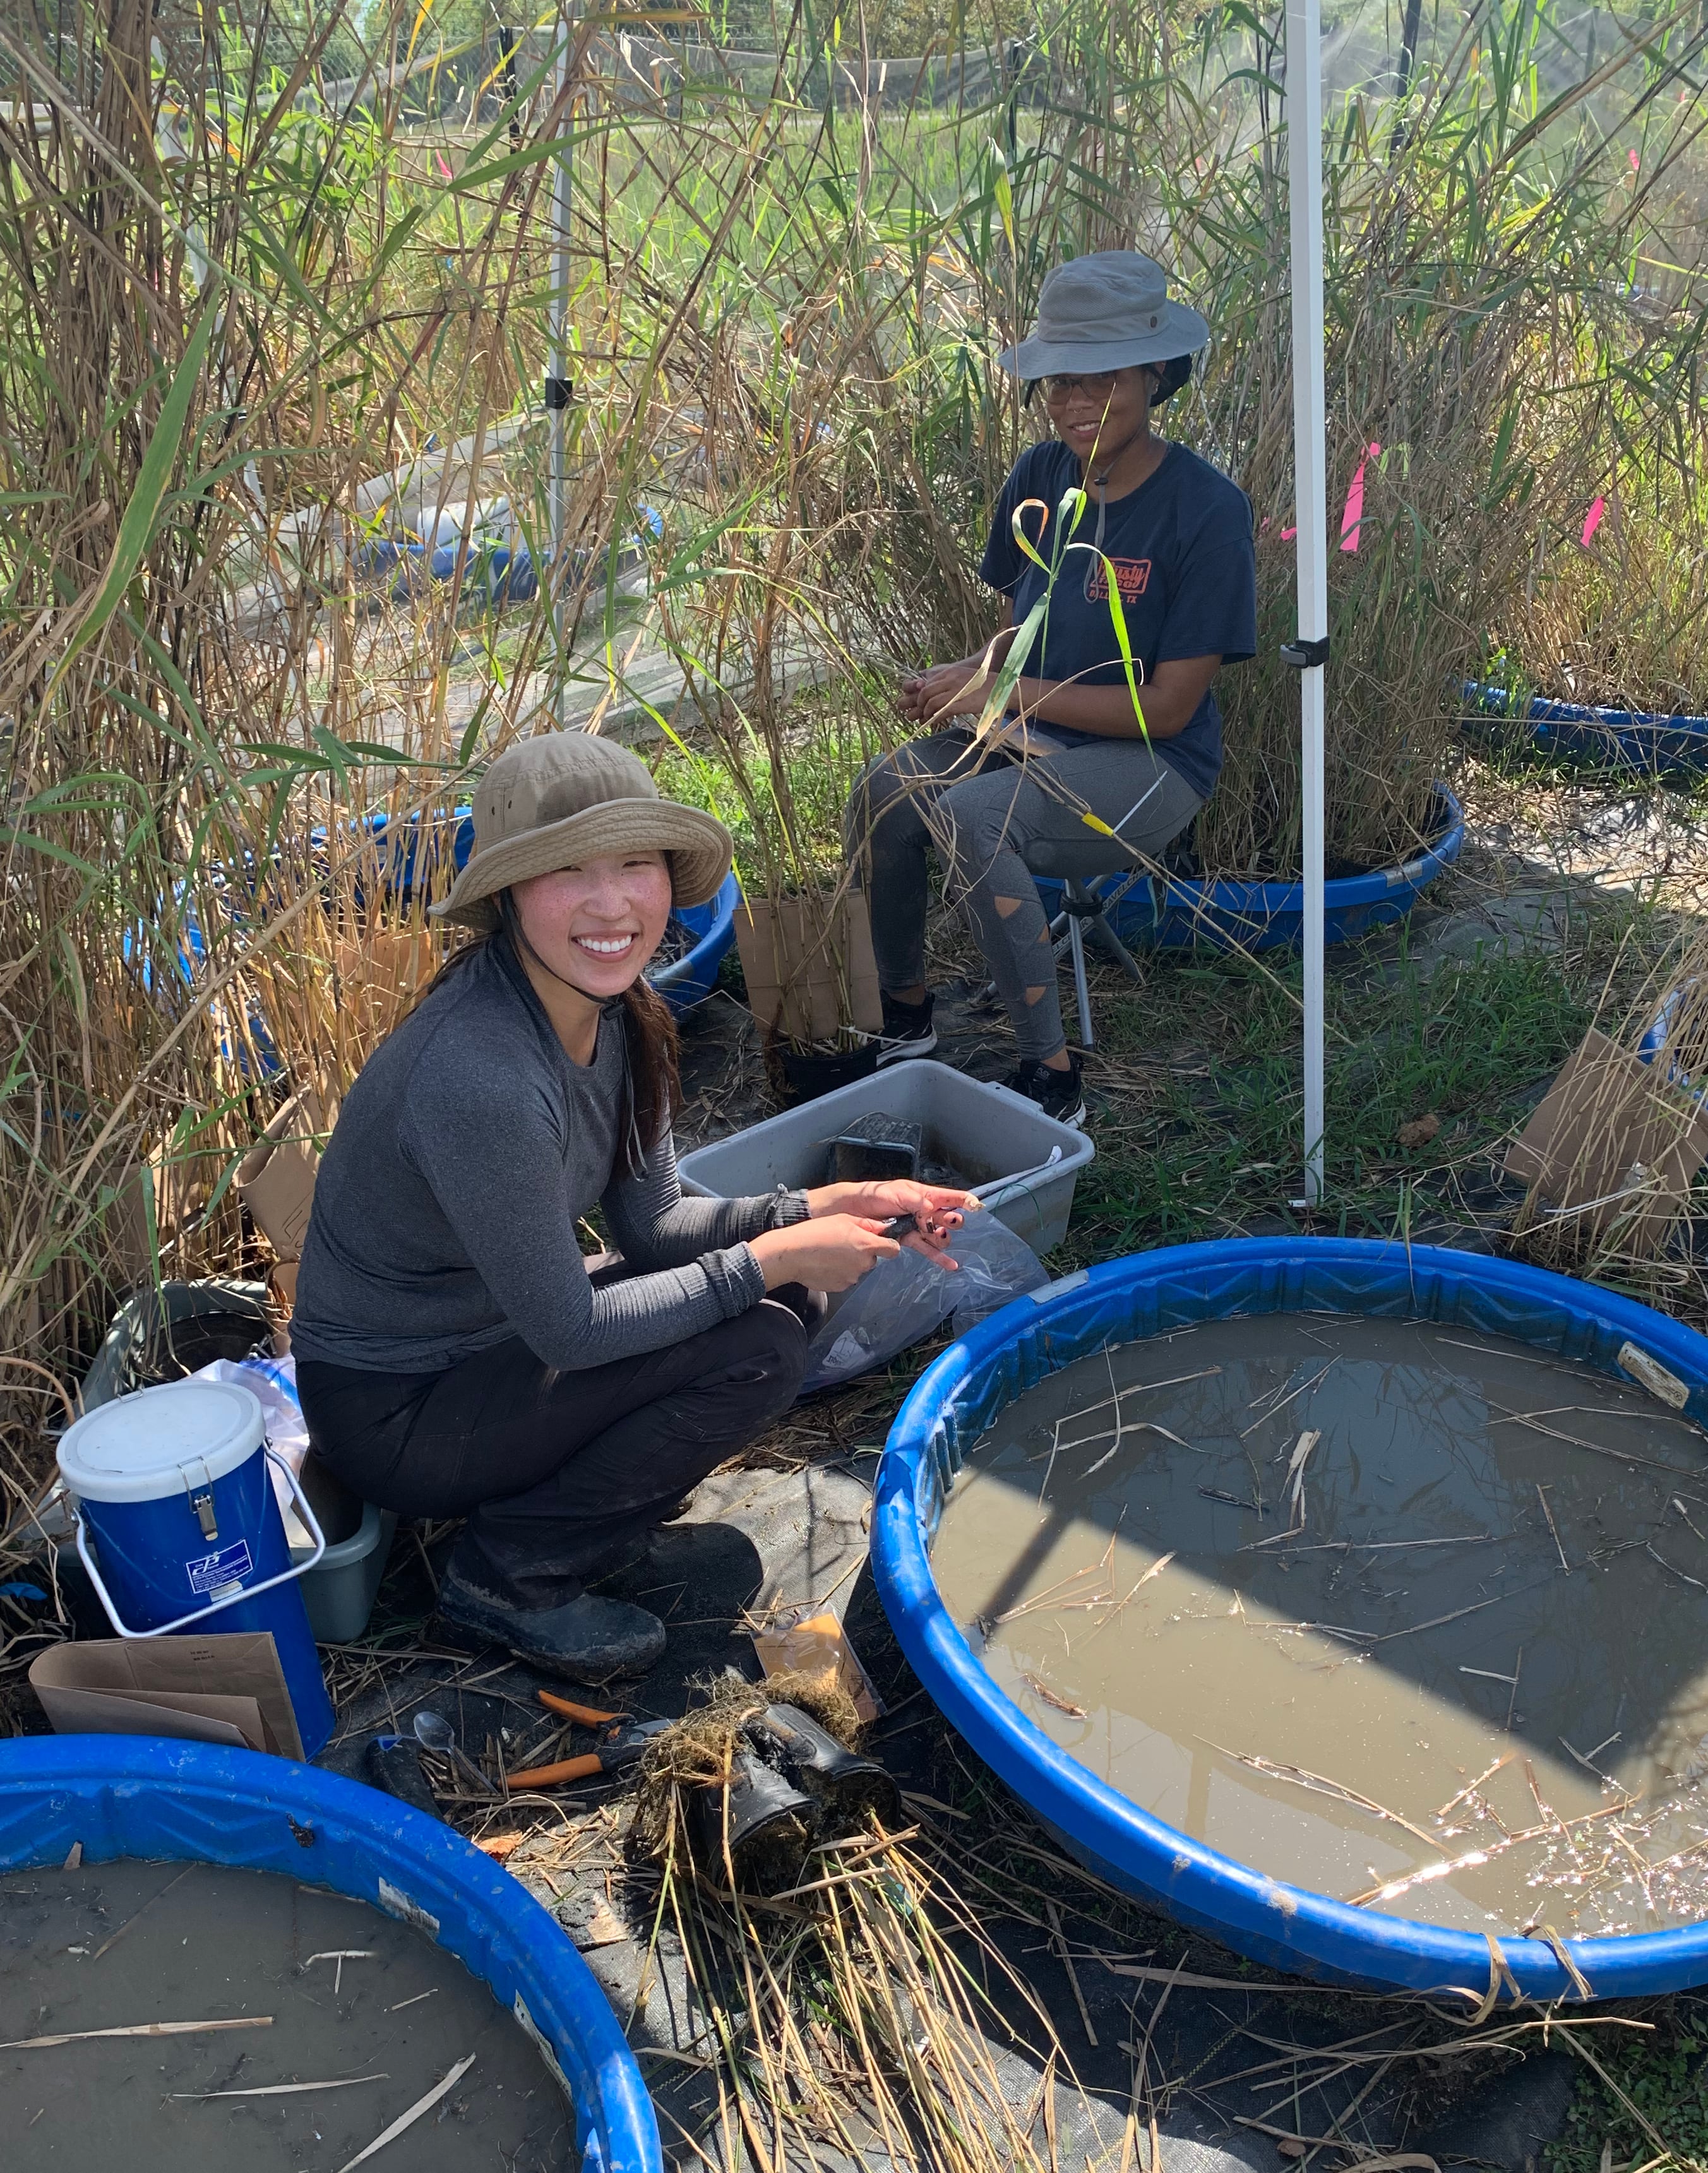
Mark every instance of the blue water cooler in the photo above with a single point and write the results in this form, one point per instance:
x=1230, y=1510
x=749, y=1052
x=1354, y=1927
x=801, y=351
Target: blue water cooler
x=180, y=1530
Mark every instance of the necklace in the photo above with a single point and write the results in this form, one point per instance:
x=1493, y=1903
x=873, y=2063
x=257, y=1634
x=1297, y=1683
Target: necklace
x=1099, y=482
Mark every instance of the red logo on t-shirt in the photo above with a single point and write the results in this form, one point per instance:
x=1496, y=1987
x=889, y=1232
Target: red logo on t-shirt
x=1132, y=577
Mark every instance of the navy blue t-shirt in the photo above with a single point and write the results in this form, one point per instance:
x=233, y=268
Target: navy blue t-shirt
x=1185, y=569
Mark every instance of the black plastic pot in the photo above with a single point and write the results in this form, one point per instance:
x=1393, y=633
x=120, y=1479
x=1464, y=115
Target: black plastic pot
x=850, y=1790
x=809, y=1076
x=771, y=1825
x=162, y=1335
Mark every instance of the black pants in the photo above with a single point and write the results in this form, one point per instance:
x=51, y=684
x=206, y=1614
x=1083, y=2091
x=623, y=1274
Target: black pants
x=559, y=1475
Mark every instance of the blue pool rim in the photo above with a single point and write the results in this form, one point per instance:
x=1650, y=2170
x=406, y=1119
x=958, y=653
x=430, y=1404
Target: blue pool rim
x=689, y=981
x=1652, y=741
x=1226, y=915
x=955, y=1400
x=142, y=1796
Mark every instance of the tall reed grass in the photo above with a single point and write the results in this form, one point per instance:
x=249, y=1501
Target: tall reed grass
x=235, y=293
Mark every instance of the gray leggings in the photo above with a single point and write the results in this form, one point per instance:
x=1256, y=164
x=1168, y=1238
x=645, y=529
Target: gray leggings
x=984, y=813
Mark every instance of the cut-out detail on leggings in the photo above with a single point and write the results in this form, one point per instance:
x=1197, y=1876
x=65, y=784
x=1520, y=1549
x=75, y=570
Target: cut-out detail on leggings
x=979, y=816
x=1037, y=994
x=1006, y=906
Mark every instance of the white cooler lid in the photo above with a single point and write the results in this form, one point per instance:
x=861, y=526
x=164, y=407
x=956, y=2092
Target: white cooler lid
x=147, y=1445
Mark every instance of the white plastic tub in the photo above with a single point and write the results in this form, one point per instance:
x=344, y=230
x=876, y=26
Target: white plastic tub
x=982, y=1130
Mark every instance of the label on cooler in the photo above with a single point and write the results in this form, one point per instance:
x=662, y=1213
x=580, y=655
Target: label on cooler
x=213, y=1576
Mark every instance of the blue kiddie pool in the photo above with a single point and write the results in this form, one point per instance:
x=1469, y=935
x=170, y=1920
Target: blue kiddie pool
x=689, y=981
x=1648, y=741
x=955, y=1403
x=1179, y=912
x=139, y=1797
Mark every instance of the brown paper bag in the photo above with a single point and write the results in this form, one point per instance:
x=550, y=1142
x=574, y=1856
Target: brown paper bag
x=228, y=1689
x=808, y=966
x=275, y=1179
x=1610, y=1142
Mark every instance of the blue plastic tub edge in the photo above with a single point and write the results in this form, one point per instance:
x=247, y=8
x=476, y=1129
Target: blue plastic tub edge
x=144, y=1796
x=1287, y=1926
x=1620, y=739
x=688, y=980
x=1266, y=916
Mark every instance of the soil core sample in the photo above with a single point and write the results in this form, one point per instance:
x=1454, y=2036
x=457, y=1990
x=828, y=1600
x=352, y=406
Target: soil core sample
x=334, y=2021
x=1389, y=1610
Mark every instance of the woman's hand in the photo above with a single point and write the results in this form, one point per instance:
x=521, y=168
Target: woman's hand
x=938, y=1209
x=828, y=1252
x=946, y=690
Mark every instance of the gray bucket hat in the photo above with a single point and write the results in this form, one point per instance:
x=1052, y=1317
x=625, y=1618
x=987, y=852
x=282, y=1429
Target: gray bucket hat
x=1109, y=310
x=548, y=802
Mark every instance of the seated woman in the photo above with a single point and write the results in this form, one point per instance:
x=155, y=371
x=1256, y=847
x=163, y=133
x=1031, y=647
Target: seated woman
x=1174, y=536
x=453, y=1356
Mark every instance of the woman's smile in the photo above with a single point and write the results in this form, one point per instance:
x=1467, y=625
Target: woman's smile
x=595, y=925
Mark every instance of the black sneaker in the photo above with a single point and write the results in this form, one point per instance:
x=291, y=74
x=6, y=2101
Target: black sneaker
x=1058, y=1094
x=588, y=1640
x=907, y=1030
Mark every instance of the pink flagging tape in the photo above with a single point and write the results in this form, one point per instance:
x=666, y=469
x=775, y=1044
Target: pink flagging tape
x=1352, y=519
x=1592, y=520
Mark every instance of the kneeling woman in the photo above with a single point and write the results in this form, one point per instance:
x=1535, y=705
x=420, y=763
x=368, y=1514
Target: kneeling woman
x=454, y=1358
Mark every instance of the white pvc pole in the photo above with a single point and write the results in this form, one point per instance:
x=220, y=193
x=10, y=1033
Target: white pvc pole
x=557, y=378
x=1310, y=516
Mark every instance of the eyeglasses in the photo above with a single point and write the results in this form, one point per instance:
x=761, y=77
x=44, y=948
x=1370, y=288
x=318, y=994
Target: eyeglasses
x=1098, y=385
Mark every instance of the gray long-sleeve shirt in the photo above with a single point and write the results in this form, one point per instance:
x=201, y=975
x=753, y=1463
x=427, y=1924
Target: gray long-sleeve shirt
x=445, y=1205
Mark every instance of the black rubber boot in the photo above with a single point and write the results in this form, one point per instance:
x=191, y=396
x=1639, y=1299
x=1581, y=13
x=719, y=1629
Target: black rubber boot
x=589, y=1640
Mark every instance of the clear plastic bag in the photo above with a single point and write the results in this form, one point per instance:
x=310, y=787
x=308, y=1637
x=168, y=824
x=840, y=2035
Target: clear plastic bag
x=902, y=1300
x=272, y=1383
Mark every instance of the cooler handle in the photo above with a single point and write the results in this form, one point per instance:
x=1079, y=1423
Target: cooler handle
x=198, y=1615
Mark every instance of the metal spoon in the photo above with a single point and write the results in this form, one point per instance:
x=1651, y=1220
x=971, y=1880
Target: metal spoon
x=433, y=1731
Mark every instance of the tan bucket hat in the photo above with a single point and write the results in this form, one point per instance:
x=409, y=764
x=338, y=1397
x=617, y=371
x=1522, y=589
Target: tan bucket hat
x=565, y=797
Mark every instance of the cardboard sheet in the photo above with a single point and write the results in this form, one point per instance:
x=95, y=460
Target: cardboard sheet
x=800, y=960
x=1611, y=1142
x=228, y=1689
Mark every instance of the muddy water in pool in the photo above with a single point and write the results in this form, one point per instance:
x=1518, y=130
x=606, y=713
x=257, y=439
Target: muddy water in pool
x=110, y=1945
x=1396, y=1612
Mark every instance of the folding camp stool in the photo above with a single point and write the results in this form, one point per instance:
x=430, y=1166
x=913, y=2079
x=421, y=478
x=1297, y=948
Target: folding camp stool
x=1084, y=917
